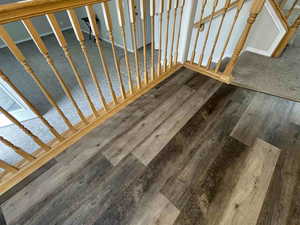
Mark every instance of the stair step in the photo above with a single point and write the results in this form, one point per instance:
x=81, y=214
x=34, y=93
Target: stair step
x=147, y=150
x=275, y=76
x=247, y=197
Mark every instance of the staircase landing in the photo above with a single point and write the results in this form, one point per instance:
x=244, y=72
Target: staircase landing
x=190, y=151
x=275, y=76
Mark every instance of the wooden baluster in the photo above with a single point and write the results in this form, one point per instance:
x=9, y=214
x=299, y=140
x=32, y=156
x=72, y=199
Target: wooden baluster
x=24, y=129
x=143, y=18
x=152, y=13
x=62, y=42
x=227, y=3
x=282, y=3
x=108, y=23
x=237, y=13
x=257, y=6
x=121, y=19
x=204, y=2
x=287, y=37
x=179, y=30
x=167, y=34
x=292, y=8
x=44, y=51
x=21, y=58
x=80, y=37
x=160, y=13
x=30, y=106
x=173, y=33
x=134, y=41
x=17, y=149
x=8, y=167
x=92, y=18
x=208, y=31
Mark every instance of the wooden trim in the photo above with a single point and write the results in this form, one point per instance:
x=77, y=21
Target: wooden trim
x=26, y=9
x=9, y=180
x=217, y=76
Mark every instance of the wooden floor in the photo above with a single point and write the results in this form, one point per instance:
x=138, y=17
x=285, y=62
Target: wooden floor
x=191, y=151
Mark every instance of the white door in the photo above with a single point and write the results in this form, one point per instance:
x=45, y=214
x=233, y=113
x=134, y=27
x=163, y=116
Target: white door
x=11, y=102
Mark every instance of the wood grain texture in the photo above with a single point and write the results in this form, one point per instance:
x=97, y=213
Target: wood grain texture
x=169, y=99
x=123, y=146
x=219, y=116
x=219, y=199
x=248, y=195
x=155, y=212
x=257, y=113
x=193, y=178
x=279, y=206
x=158, y=139
x=168, y=163
x=101, y=197
x=96, y=141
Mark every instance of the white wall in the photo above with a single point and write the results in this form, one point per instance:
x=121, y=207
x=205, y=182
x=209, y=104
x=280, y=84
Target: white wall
x=191, y=15
x=263, y=38
x=266, y=33
x=223, y=34
x=116, y=27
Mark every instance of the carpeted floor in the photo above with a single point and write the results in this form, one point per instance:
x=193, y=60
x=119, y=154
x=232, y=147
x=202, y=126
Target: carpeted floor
x=23, y=81
x=275, y=76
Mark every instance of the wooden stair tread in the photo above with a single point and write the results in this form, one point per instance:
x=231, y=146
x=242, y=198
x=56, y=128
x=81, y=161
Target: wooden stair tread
x=249, y=193
x=275, y=76
x=234, y=189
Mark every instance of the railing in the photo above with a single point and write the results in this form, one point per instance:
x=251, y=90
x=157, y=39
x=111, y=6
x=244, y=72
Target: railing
x=140, y=75
x=204, y=58
x=288, y=7
x=113, y=84
x=290, y=16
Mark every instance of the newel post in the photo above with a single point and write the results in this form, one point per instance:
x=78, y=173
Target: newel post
x=255, y=10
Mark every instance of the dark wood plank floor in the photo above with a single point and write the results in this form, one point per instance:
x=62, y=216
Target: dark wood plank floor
x=171, y=157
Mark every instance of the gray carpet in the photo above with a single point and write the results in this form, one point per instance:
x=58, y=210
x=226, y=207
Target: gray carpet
x=23, y=81
x=275, y=76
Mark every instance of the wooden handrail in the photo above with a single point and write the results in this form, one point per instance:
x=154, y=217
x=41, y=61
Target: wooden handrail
x=216, y=14
x=26, y=9
x=91, y=115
